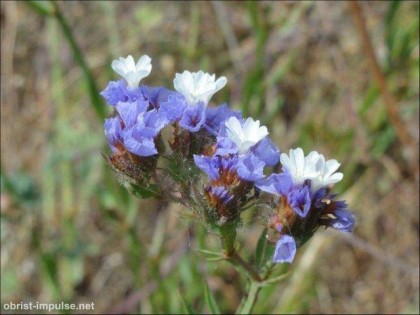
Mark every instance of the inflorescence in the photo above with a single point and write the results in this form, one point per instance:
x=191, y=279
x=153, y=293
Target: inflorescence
x=161, y=139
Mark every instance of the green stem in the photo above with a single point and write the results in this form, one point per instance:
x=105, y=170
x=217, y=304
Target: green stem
x=246, y=307
x=228, y=236
x=78, y=56
x=245, y=266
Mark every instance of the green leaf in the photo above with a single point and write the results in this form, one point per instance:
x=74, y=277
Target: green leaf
x=42, y=7
x=261, y=248
x=187, y=308
x=383, y=141
x=264, y=250
x=370, y=97
x=211, y=256
x=210, y=301
x=144, y=192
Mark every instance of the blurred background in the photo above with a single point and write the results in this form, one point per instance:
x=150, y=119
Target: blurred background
x=70, y=232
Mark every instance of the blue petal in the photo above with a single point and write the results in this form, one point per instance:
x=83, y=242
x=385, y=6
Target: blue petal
x=344, y=221
x=285, y=249
x=156, y=95
x=153, y=120
x=221, y=193
x=144, y=147
x=217, y=115
x=208, y=165
x=117, y=91
x=278, y=184
x=267, y=151
x=112, y=127
x=193, y=117
x=299, y=199
x=250, y=168
x=114, y=92
x=173, y=107
x=128, y=111
x=226, y=146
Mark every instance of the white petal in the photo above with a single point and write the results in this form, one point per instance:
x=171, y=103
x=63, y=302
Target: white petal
x=335, y=178
x=299, y=160
x=220, y=83
x=197, y=86
x=330, y=167
x=131, y=72
x=286, y=162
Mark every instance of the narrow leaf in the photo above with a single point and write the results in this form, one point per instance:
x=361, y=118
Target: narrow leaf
x=187, y=308
x=264, y=250
x=261, y=248
x=42, y=7
x=210, y=301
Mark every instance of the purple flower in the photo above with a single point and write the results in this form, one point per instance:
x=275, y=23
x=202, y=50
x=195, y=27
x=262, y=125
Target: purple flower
x=344, y=220
x=156, y=95
x=298, y=196
x=218, y=196
x=250, y=168
x=299, y=199
x=277, y=184
x=149, y=124
x=228, y=169
x=134, y=128
x=338, y=217
x=129, y=111
x=193, y=117
x=112, y=127
x=285, y=249
x=333, y=213
x=141, y=146
x=117, y=91
x=208, y=165
x=173, y=108
x=267, y=151
x=217, y=115
x=176, y=108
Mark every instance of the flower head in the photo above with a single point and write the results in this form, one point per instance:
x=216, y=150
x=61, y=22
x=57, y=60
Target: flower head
x=231, y=170
x=215, y=116
x=297, y=197
x=285, y=249
x=198, y=86
x=134, y=128
x=131, y=71
x=313, y=167
x=246, y=134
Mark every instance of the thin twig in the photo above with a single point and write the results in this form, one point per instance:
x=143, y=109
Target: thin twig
x=388, y=98
x=234, y=257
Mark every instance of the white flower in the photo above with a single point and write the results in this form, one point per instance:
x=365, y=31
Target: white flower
x=131, y=72
x=198, y=86
x=245, y=135
x=313, y=167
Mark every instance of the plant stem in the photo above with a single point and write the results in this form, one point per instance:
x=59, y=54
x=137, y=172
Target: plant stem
x=388, y=98
x=228, y=236
x=78, y=56
x=252, y=297
x=245, y=266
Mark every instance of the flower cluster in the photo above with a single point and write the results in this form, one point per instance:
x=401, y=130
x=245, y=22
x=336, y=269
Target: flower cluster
x=234, y=153
x=305, y=201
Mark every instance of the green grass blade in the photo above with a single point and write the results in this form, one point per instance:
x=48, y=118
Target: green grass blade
x=210, y=300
